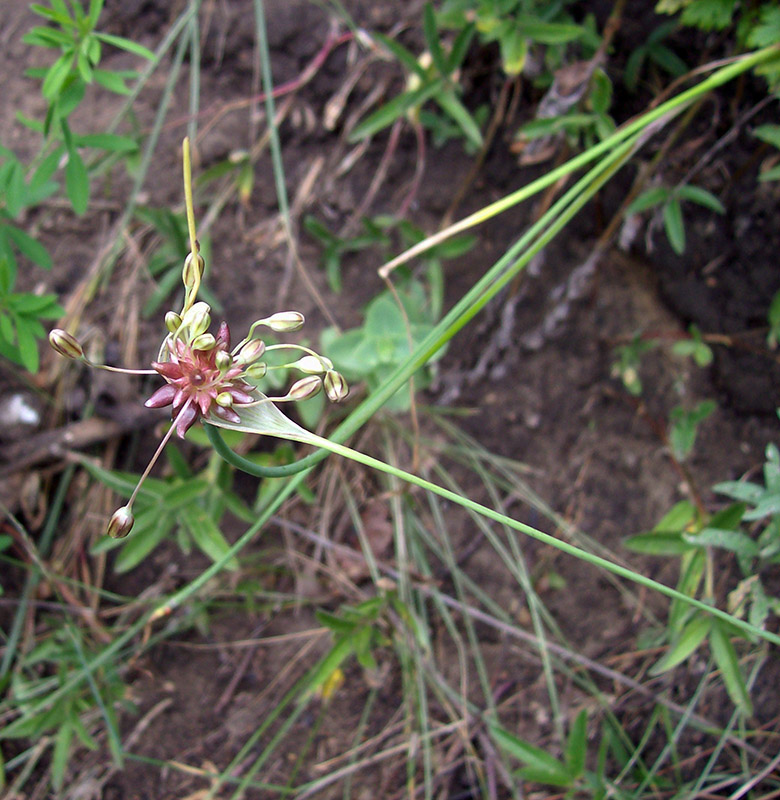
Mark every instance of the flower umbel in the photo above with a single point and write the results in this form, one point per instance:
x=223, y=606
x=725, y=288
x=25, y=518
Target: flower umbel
x=203, y=376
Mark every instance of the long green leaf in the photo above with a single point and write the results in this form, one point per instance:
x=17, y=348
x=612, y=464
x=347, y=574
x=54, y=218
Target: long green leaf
x=726, y=658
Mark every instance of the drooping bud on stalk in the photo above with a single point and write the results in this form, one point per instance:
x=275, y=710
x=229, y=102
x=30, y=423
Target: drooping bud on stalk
x=66, y=344
x=121, y=523
x=192, y=271
x=172, y=321
x=304, y=388
x=336, y=387
x=197, y=319
x=205, y=341
x=313, y=365
x=284, y=321
x=256, y=371
x=251, y=351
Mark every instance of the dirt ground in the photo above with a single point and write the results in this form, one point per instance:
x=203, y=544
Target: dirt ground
x=533, y=373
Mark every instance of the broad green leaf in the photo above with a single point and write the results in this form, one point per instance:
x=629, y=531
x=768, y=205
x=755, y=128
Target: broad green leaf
x=726, y=658
x=691, y=636
x=674, y=225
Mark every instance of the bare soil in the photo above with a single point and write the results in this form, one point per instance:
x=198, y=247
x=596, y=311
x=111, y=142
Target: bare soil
x=533, y=372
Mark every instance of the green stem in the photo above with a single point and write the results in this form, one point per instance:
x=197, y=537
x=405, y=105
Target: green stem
x=259, y=470
x=545, y=538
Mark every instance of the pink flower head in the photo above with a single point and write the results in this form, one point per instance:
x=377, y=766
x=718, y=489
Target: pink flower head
x=196, y=374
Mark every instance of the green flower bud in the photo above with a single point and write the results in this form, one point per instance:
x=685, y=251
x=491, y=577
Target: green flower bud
x=223, y=360
x=192, y=271
x=172, y=321
x=197, y=320
x=284, y=321
x=251, y=351
x=204, y=342
x=121, y=523
x=66, y=344
x=305, y=388
x=335, y=386
x=224, y=399
x=256, y=371
x=312, y=365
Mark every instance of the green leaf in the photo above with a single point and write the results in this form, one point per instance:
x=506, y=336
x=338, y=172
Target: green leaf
x=547, y=768
x=734, y=541
x=29, y=247
x=674, y=225
x=740, y=490
x=60, y=754
x=56, y=76
x=701, y=196
x=658, y=543
x=726, y=658
x=141, y=542
x=28, y=345
x=403, y=55
x=548, y=32
x=577, y=745
x=77, y=182
x=127, y=44
x=206, y=534
x=684, y=425
x=771, y=174
x=649, y=199
x=769, y=134
x=455, y=109
x=689, y=639
x=113, y=81
x=431, y=33
x=393, y=109
x=107, y=141
x=321, y=672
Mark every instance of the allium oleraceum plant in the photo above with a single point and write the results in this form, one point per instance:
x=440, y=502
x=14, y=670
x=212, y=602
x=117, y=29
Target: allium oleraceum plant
x=204, y=377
